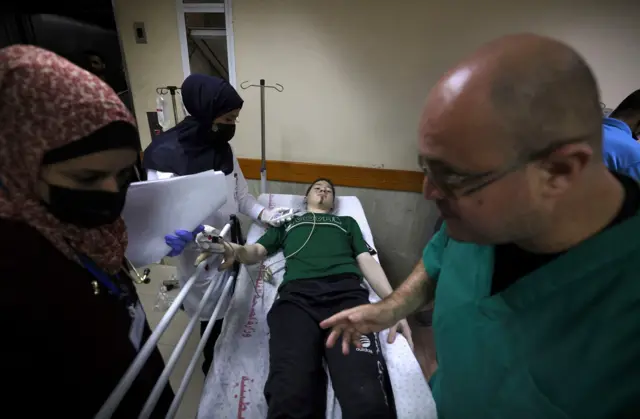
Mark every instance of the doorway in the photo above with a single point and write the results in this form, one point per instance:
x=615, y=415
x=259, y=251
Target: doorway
x=84, y=33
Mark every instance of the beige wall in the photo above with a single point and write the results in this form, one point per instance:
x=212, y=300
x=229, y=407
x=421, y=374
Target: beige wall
x=356, y=73
x=154, y=64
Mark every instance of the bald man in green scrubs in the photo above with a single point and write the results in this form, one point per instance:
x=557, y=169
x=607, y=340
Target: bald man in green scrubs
x=536, y=271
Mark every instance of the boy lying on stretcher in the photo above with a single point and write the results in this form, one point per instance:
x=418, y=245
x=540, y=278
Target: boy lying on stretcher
x=325, y=260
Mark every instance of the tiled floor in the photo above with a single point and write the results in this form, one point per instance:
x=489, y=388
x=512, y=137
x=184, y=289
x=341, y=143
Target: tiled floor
x=168, y=341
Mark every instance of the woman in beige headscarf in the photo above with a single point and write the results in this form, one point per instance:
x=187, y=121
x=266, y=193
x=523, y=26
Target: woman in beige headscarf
x=73, y=321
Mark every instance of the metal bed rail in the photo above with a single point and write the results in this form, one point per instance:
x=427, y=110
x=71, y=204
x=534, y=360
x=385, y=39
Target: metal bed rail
x=173, y=409
x=116, y=396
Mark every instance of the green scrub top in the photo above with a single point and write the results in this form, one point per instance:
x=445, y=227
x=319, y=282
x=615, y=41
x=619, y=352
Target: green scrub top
x=561, y=342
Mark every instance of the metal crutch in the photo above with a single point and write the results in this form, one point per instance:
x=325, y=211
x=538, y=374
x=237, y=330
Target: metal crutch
x=226, y=295
x=170, y=364
x=159, y=387
x=173, y=409
x=118, y=393
x=263, y=163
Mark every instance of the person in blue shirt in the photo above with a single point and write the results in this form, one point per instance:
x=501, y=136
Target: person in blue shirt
x=621, y=132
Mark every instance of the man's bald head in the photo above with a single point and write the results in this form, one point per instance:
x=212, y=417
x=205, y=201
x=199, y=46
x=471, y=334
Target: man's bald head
x=534, y=90
x=507, y=136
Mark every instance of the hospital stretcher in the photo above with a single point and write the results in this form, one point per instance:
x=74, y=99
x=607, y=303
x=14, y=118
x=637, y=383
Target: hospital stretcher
x=234, y=386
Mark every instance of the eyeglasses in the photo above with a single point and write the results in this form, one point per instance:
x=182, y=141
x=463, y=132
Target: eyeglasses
x=455, y=185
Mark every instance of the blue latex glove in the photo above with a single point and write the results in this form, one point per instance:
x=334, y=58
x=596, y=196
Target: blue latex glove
x=181, y=239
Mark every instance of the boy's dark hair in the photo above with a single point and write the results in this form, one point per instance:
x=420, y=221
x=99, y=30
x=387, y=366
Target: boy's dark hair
x=333, y=188
x=629, y=106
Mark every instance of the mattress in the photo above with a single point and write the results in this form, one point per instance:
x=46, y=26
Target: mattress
x=234, y=386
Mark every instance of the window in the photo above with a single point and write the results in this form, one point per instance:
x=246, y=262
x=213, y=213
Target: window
x=207, y=44
x=199, y=21
x=206, y=37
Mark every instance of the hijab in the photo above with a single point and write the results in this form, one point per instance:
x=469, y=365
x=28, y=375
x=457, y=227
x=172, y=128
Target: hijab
x=49, y=104
x=194, y=145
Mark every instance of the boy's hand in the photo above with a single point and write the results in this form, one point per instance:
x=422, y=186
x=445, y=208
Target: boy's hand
x=230, y=255
x=401, y=327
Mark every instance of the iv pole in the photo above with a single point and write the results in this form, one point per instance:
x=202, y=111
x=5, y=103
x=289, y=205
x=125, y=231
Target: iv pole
x=263, y=163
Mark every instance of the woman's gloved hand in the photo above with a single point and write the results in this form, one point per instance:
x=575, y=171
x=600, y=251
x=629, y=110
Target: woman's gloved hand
x=181, y=239
x=276, y=216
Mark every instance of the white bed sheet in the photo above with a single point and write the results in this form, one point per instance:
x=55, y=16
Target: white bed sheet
x=234, y=386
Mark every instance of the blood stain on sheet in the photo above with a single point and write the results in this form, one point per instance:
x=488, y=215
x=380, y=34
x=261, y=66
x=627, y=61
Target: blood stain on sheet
x=243, y=387
x=252, y=320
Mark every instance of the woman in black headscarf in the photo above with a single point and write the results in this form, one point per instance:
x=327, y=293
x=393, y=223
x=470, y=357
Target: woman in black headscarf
x=197, y=144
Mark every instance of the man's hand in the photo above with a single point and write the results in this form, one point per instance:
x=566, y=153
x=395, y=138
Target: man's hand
x=403, y=327
x=358, y=321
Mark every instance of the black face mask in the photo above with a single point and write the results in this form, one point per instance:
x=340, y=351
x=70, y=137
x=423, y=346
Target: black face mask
x=224, y=132
x=87, y=209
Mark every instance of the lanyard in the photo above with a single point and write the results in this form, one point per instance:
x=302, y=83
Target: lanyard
x=100, y=275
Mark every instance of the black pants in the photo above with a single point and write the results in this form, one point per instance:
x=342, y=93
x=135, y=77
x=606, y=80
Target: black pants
x=210, y=345
x=296, y=386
